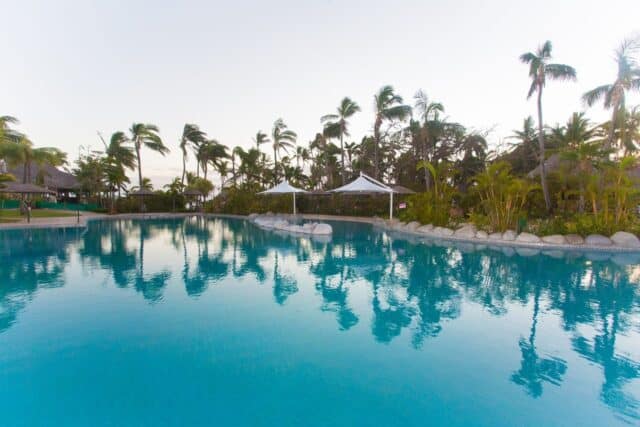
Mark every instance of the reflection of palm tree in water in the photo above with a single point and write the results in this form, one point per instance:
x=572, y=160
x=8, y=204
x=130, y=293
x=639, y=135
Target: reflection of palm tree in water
x=151, y=286
x=283, y=286
x=334, y=297
x=617, y=369
x=534, y=371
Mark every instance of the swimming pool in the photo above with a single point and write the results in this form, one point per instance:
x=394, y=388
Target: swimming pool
x=217, y=322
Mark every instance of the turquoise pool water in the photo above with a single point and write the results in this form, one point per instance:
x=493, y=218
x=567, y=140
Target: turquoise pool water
x=216, y=322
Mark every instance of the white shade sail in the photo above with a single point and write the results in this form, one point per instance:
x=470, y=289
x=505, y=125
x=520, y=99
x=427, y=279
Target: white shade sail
x=283, y=188
x=363, y=184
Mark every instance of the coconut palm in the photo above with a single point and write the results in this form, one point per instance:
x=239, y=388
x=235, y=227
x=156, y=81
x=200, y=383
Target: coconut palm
x=388, y=107
x=145, y=135
x=627, y=80
x=191, y=135
x=211, y=152
x=539, y=70
x=7, y=134
x=23, y=153
x=336, y=125
x=260, y=139
x=428, y=130
x=282, y=139
x=174, y=188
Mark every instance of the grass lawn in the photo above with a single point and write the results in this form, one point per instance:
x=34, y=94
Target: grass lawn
x=13, y=215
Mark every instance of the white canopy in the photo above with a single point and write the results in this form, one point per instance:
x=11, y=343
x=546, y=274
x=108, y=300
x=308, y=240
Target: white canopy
x=366, y=184
x=285, y=188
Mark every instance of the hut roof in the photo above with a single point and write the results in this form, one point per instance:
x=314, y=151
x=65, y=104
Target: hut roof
x=143, y=192
x=18, y=188
x=54, y=178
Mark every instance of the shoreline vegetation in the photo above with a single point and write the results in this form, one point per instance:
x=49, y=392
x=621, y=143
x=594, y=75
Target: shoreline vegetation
x=578, y=178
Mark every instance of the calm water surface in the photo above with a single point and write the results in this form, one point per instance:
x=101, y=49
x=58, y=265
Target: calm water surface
x=216, y=322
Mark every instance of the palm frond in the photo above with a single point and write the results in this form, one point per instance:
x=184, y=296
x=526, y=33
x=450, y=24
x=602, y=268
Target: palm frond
x=594, y=95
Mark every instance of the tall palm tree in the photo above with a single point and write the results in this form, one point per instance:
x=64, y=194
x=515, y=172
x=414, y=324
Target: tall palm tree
x=336, y=125
x=627, y=80
x=211, y=152
x=282, y=139
x=539, y=70
x=191, y=135
x=260, y=139
x=145, y=135
x=7, y=134
x=388, y=106
x=430, y=115
x=22, y=152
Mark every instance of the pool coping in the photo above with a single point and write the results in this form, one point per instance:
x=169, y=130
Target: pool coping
x=75, y=222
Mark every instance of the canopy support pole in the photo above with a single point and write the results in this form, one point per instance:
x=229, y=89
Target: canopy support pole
x=391, y=205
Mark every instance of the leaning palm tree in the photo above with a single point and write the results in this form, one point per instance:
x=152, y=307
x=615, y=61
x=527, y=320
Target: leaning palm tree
x=260, y=139
x=191, y=134
x=539, y=71
x=627, y=80
x=282, y=139
x=145, y=135
x=388, y=106
x=336, y=125
x=7, y=134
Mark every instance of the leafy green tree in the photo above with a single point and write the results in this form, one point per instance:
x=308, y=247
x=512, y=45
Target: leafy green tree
x=614, y=94
x=336, y=126
x=174, y=188
x=539, y=71
x=282, y=139
x=145, y=135
x=388, y=107
x=191, y=136
x=261, y=138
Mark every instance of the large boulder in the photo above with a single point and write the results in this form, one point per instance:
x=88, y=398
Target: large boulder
x=412, y=226
x=598, y=240
x=391, y=223
x=322, y=229
x=495, y=236
x=481, y=234
x=425, y=229
x=555, y=239
x=528, y=238
x=281, y=225
x=574, y=239
x=442, y=231
x=625, y=240
x=309, y=226
x=466, y=232
x=509, y=236
x=253, y=216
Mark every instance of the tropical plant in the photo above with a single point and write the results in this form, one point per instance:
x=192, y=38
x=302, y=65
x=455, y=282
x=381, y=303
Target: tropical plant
x=336, y=126
x=614, y=94
x=261, y=138
x=174, y=189
x=145, y=135
x=539, y=71
x=502, y=196
x=388, y=106
x=191, y=135
x=282, y=139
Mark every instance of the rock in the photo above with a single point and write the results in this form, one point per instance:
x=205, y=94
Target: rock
x=399, y=226
x=554, y=253
x=280, y=225
x=468, y=232
x=528, y=238
x=527, y=251
x=253, y=216
x=555, y=239
x=482, y=235
x=391, y=223
x=598, y=240
x=626, y=258
x=509, y=236
x=574, y=239
x=322, y=229
x=442, y=231
x=495, y=236
x=309, y=226
x=412, y=226
x=425, y=229
x=625, y=240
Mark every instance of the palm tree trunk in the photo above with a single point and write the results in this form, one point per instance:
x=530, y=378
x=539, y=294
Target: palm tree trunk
x=376, y=143
x=342, y=156
x=609, y=144
x=184, y=167
x=543, y=173
x=139, y=175
x=275, y=164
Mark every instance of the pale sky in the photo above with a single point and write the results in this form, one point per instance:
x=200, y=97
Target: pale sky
x=72, y=68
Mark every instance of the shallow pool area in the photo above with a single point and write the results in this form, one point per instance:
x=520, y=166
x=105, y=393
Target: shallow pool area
x=214, y=321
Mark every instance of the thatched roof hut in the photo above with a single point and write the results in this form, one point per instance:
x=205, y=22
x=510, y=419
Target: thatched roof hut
x=19, y=188
x=52, y=177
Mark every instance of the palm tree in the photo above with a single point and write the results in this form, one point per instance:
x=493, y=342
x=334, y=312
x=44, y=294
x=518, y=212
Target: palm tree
x=175, y=188
x=260, y=139
x=145, y=135
x=22, y=152
x=430, y=114
x=627, y=80
x=336, y=125
x=211, y=152
x=282, y=139
x=7, y=134
x=539, y=71
x=524, y=151
x=388, y=106
x=191, y=134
